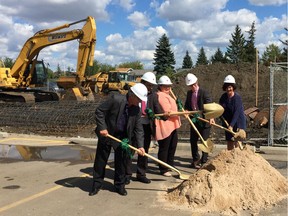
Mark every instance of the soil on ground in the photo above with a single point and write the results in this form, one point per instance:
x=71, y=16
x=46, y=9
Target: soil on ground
x=232, y=182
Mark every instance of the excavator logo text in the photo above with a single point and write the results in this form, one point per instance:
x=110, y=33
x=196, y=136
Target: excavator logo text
x=57, y=37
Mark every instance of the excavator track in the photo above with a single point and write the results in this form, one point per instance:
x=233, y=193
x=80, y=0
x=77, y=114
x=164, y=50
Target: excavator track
x=28, y=96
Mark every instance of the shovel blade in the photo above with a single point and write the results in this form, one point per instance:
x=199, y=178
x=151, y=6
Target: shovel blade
x=213, y=110
x=208, y=148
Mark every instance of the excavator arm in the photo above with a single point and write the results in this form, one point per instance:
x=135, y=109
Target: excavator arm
x=32, y=47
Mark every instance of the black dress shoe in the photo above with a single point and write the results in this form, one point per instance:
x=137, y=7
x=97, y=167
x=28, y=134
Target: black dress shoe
x=127, y=180
x=143, y=179
x=121, y=191
x=94, y=191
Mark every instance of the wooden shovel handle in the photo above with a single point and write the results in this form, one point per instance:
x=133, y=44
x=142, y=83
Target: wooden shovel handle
x=147, y=155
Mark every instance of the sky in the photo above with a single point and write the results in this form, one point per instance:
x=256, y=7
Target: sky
x=128, y=30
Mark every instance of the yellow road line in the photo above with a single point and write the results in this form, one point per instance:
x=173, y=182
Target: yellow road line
x=27, y=199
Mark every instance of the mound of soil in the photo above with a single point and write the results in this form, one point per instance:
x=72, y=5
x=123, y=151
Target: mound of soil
x=231, y=182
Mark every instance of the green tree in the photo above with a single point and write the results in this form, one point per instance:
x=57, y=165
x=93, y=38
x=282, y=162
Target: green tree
x=136, y=65
x=8, y=62
x=202, y=59
x=106, y=67
x=187, y=61
x=272, y=53
x=218, y=57
x=283, y=57
x=58, y=70
x=250, y=49
x=236, y=51
x=163, y=56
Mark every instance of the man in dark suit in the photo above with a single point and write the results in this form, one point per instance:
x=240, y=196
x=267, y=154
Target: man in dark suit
x=195, y=99
x=120, y=117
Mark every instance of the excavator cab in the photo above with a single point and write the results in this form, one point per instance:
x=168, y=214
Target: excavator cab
x=40, y=76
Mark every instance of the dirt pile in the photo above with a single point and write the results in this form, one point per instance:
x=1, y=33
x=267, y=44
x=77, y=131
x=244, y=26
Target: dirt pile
x=231, y=182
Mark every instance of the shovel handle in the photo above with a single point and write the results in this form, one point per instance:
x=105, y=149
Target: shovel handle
x=147, y=155
x=179, y=113
x=192, y=124
x=217, y=125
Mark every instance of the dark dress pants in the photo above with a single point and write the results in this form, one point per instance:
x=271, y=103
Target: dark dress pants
x=167, y=149
x=205, y=132
x=142, y=162
x=102, y=155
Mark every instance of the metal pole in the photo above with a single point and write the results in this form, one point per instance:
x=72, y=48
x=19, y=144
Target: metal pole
x=256, y=102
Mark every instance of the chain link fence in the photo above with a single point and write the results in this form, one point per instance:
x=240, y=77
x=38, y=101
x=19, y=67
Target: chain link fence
x=278, y=134
x=67, y=118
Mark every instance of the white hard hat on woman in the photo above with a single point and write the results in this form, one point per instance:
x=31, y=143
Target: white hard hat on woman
x=190, y=79
x=164, y=80
x=149, y=77
x=229, y=79
x=140, y=91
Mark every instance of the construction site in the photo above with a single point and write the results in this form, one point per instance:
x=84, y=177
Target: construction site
x=237, y=182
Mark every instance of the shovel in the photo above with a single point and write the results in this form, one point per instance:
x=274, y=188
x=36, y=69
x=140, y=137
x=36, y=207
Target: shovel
x=213, y=110
x=181, y=176
x=232, y=132
x=179, y=113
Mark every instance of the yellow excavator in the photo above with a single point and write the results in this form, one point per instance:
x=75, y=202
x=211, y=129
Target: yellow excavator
x=23, y=82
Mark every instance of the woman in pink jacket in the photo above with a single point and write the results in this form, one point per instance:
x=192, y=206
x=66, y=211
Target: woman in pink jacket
x=166, y=131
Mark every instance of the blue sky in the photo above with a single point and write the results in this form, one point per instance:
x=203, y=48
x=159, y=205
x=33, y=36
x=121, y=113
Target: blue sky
x=128, y=30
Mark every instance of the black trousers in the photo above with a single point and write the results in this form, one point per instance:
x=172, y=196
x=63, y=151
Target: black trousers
x=102, y=154
x=167, y=149
x=142, y=162
x=205, y=132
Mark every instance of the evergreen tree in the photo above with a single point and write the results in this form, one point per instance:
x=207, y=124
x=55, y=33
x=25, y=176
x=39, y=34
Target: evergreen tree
x=236, y=51
x=187, y=61
x=163, y=56
x=250, y=45
x=202, y=59
x=283, y=57
x=218, y=57
x=272, y=53
x=58, y=69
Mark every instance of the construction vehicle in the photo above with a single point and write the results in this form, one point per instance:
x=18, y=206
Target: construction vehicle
x=23, y=82
x=119, y=80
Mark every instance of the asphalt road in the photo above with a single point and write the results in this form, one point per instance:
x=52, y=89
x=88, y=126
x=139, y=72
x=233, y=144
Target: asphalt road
x=56, y=180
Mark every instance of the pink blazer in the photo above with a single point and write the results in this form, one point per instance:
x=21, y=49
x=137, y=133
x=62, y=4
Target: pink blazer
x=165, y=128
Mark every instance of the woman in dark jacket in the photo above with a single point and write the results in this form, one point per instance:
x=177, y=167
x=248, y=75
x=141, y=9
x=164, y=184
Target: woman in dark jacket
x=233, y=110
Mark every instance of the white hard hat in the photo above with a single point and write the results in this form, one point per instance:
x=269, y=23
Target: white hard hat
x=140, y=91
x=149, y=77
x=229, y=79
x=164, y=80
x=190, y=79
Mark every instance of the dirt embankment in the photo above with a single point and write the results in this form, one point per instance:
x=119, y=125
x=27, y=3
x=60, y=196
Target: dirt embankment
x=211, y=77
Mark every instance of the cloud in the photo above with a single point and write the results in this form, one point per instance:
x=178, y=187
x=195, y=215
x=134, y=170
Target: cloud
x=138, y=19
x=188, y=10
x=55, y=10
x=267, y=2
x=127, y=4
x=217, y=29
x=128, y=48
